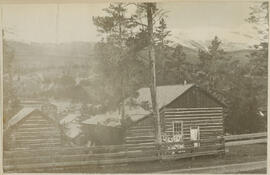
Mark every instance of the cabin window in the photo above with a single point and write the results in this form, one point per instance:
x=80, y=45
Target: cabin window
x=177, y=128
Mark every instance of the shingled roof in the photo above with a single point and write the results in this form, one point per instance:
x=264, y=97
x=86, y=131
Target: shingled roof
x=165, y=94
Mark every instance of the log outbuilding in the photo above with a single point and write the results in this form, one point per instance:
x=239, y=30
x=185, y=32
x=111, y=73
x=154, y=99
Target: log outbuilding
x=31, y=128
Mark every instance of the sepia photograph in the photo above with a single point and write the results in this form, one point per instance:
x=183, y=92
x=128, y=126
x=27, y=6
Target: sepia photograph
x=135, y=87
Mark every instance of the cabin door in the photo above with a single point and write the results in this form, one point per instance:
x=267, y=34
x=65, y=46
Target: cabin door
x=195, y=135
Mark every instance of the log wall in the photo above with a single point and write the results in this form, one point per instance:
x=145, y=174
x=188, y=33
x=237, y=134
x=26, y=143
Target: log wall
x=35, y=131
x=209, y=120
x=141, y=132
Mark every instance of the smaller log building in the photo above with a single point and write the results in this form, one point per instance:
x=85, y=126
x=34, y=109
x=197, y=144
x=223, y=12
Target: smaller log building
x=30, y=128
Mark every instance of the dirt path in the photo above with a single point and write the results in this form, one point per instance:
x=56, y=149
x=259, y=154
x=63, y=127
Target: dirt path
x=232, y=168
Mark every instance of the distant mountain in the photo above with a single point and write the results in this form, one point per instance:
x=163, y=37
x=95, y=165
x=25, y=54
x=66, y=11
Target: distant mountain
x=50, y=54
x=47, y=54
x=242, y=55
x=226, y=45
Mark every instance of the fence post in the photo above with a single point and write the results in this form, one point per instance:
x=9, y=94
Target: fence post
x=222, y=140
x=159, y=151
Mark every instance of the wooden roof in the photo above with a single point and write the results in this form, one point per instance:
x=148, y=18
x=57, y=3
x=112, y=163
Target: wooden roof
x=165, y=94
x=20, y=115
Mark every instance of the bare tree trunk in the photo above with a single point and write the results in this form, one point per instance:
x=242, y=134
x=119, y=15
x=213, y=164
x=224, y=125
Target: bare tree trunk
x=151, y=54
x=122, y=98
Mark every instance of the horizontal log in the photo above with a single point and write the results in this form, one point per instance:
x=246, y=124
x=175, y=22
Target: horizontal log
x=51, y=128
x=192, y=112
x=141, y=127
x=196, y=154
x=36, y=141
x=139, y=134
x=36, y=145
x=33, y=117
x=68, y=149
x=134, y=133
x=139, y=137
x=78, y=163
x=45, y=152
x=201, y=127
x=32, y=121
x=218, y=131
x=78, y=157
x=37, y=118
x=36, y=126
x=212, y=146
x=195, y=141
x=191, y=109
x=28, y=121
x=44, y=133
x=142, y=148
x=246, y=142
x=140, y=141
x=197, y=119
x=171, y=115
x=188, y=125
x=245, y=136
x=34, y=137
x=176, y=118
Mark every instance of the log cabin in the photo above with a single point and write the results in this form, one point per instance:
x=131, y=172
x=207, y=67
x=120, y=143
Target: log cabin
x=187, y=112
x=30, y=128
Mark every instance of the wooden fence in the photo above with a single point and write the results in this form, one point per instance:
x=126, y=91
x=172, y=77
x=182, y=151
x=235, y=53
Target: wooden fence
x=52, y=158
x=44, y=159
x=244, y=139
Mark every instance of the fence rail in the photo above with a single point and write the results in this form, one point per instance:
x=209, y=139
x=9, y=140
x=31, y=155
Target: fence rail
x=42, y=159
x=25, y=160
x=244, y=139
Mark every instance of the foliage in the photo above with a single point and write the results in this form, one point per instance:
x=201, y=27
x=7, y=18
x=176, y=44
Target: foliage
x=227, y=79
x=212, y=66
x=10, y=101
x=259, y=16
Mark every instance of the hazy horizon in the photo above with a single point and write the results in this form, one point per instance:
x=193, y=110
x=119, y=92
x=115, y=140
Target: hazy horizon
x=188, y=21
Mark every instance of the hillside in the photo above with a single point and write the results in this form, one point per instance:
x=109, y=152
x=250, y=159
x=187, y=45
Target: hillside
x=50, y=54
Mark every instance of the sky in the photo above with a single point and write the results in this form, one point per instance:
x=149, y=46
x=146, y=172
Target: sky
x=197, y=21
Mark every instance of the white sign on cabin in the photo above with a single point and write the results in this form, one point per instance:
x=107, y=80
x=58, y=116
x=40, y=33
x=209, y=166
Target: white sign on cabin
x=195, y=135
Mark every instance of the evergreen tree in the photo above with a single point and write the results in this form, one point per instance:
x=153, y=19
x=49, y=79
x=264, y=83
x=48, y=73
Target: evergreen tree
x=211, y=67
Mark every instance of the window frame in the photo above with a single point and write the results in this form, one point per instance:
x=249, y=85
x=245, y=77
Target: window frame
x=182, y=127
